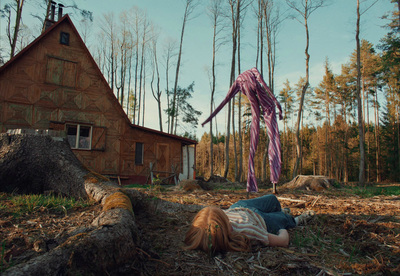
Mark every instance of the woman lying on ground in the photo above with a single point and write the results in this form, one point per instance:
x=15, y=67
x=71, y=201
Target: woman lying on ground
x=258, y=219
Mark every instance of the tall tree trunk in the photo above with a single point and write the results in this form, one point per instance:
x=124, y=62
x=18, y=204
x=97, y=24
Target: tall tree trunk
x=129, y=83
x=309, y=7
x=361, y=176
x=211, y=105
x=140, y=83
x=18, y=16
x=144, y=91
x=240, y=172
x=300, y=112
x=188, y=10
x=346, y=154
x=378, y=153
x=136, y=67
x=158, y=92
x=233, y=102
x=235, y=156
x=215, y=15
x=271, y=32
x=232, y=78
x=167, y=66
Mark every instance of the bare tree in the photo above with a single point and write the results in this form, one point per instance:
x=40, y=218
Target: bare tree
x=237, y=8
x=136, y=31
x=108, y=28
x=361, y=175
x=142, y=74
x=124, y=49
x=272, y=20
x=12, y=31
x=189, y=8
x=132, y=48
x=234, y=20
x=156, y=75
x=215, y=12
x=169, y=53
x=304, y=8
x=235, y=16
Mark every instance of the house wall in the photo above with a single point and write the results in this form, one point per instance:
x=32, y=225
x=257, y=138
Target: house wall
x=54, y=84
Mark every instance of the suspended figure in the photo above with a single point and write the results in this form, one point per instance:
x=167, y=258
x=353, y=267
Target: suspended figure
x=252, y=84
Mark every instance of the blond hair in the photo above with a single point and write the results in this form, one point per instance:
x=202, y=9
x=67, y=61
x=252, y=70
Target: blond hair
x=212, y=232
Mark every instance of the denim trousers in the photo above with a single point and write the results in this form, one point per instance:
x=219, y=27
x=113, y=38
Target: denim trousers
x=269, y=208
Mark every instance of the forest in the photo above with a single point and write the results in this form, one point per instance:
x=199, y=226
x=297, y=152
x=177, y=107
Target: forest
x=330, y=145
x=345, y=127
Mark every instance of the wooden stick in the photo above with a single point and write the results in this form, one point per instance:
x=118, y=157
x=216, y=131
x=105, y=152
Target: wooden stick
x=290, y=199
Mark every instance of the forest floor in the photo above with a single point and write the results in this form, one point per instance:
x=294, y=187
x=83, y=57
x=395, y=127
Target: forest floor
x=349, y=235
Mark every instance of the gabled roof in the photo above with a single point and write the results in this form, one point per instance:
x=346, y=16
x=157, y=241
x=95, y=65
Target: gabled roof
x=117, y=105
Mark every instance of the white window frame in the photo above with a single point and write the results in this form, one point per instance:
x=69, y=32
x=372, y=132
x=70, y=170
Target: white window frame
x=78, y=128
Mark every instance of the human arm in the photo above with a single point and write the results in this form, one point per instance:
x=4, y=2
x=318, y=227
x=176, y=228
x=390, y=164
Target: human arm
x=282, y=239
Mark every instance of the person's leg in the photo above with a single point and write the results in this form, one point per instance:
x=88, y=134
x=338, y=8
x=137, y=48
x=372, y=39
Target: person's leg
x=269, y=208
x=252, y=185
x=277, y=220
x=265, y=204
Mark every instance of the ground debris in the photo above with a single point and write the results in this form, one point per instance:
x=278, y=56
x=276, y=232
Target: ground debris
x=349, y=235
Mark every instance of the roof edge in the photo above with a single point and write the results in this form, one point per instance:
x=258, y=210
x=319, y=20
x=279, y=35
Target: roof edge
x=187, y=140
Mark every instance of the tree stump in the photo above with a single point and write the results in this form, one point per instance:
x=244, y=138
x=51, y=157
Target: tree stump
x=36, y=163
x=309, y=182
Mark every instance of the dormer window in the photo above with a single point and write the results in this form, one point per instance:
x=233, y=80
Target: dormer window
x=64, y=38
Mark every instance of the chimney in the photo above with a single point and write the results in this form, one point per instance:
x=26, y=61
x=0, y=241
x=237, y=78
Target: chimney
x=52, y=11
x=60, y=11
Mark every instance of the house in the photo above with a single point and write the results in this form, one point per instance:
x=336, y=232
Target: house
x=54, y=83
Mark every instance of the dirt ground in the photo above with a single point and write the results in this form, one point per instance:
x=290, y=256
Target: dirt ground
x=349, y=235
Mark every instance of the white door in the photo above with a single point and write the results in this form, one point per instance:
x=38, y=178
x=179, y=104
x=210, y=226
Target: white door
x=188, y=162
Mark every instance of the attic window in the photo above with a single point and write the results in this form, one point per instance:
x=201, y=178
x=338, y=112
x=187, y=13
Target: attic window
x=64, y=38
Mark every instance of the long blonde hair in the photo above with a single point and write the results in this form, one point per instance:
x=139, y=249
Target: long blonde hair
x=212, y=232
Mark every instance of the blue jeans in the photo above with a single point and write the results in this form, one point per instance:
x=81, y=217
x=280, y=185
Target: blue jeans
x=269, y=208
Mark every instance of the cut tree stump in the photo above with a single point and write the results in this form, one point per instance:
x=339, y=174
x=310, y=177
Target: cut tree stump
x=309, y=182
x=37, y=163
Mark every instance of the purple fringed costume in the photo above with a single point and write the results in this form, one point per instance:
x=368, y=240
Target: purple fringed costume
x=253, y=86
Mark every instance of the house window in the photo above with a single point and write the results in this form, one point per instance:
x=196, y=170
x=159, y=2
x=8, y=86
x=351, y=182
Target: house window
x=79, y=136
x=139, y=154
x=64, y=38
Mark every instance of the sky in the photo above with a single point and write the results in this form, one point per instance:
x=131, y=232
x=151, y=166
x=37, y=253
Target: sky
x=331, y=29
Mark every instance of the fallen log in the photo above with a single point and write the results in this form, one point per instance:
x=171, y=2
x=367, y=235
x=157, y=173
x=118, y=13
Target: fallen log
x=38, y=163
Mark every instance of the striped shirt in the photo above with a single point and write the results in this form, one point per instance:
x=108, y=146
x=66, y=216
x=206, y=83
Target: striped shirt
x=248, y=223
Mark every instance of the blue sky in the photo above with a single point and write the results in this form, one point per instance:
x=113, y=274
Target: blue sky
x=332, y=35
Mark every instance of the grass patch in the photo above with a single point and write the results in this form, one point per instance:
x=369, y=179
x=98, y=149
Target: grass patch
x=375, y=191
x=16, y=205
x=142, y=186
x=363, y=192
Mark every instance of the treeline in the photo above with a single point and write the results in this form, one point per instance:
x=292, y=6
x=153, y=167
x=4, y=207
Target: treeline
x=337, y=157
x=329, y=133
